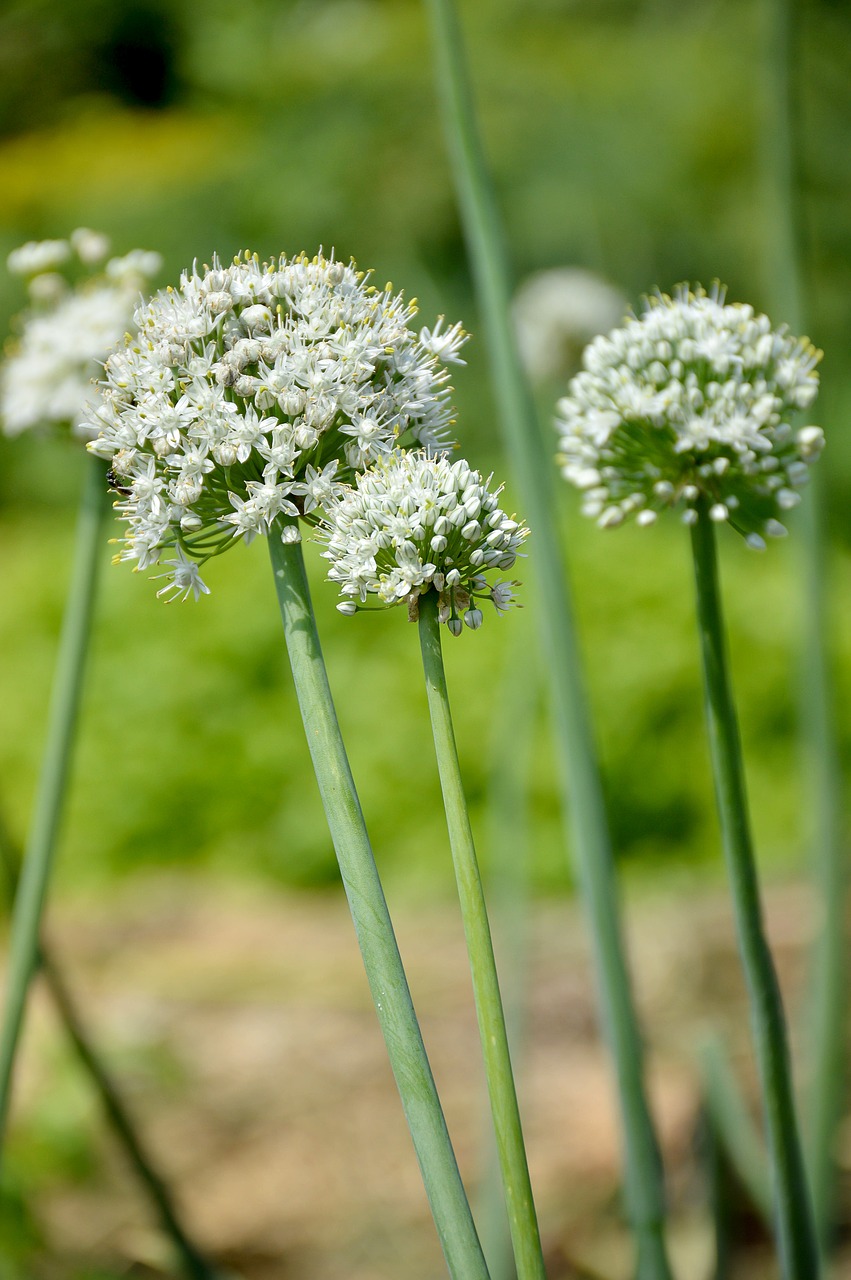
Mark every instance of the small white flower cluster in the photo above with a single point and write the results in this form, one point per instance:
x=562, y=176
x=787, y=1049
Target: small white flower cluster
x=48, y=375
x=251, y=393
x=414, y=522
x=692, y=402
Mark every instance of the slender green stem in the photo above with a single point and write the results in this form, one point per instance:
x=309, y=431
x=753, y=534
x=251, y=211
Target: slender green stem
x=508, y=888
x=734, y=1129
x=798, y=1249
x=503, y=1096
x=193, y=1264
x=52, y=785
x=827, y=1022
x=373, y=926
x=580, y=776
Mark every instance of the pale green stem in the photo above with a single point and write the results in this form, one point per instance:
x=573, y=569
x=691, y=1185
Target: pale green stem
x=827, y=1022
x=799, y=1255
x=735, y=1130
x=373, y=926
x=53, y=780
x=533, y=473
x=503, y=1095
x=508, y=888
x=192, y=1262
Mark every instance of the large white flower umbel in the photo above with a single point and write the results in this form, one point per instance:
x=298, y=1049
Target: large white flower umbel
x=251, y=392
x=693, y=400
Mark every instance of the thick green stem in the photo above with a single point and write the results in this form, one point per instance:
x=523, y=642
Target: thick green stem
x=503, y=1096
x=533, y=472
x=798, y=1249
x=52, y=785
x=785, y=272
x=373, y=926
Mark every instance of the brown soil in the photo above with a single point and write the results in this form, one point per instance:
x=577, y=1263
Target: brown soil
x=239, y=1024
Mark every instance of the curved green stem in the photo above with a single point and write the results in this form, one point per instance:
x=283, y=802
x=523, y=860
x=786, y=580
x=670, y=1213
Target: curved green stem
x=192, y=1262
x=373, y=926
x=52, y=785
x=534, y=472
x=798, y=1249
x=506, y=1113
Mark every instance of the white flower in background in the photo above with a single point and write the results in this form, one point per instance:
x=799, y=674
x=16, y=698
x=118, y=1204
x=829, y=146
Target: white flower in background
x=251, y=393
x=48, y=375
x=557, y=312
x=413, y=523
x=38, y=255
x=692, y=402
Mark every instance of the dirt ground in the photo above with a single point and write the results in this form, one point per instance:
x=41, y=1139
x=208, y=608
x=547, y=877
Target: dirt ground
x=239, y=1025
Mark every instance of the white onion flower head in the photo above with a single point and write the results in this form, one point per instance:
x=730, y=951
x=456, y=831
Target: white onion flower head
x=64, y=337
x=693, y=402
x=556, y=312
x=251, y=393
x=415, y=522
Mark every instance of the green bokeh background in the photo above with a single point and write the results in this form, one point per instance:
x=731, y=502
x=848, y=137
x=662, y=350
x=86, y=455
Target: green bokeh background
x=626, y=137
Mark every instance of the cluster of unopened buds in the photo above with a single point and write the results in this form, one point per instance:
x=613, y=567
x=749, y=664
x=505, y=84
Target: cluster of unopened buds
x=692, y=402
x=413, y=523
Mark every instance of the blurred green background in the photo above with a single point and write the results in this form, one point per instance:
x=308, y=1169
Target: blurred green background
x=626, y=137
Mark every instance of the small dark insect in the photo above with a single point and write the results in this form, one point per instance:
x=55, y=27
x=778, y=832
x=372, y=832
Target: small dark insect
x=114, y=484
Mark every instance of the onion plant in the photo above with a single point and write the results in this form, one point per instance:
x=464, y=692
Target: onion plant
x=254, y=391
x=427, y=532
x=692, y=405
x=46, y=381
x=579, y=770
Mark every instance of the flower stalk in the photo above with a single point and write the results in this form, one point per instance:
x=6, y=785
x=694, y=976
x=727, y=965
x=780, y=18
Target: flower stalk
x=373, y=926
x=580, y=776
x=797, y=1244
x=489, y=1010
x=53, y=780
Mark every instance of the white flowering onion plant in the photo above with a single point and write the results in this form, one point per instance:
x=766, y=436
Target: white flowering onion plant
x=250, y=395
x=251, y=392
x=695, y=403
x=690, y=402
x=80, y=306
x=427, y=532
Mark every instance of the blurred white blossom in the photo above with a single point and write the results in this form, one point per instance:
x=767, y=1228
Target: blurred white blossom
x=49, y=371
x=692, y=401
x=414, y=522
x=557, y=312
x=252, y=391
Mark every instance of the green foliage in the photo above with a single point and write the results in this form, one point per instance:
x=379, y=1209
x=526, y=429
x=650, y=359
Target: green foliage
x=624, y=138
